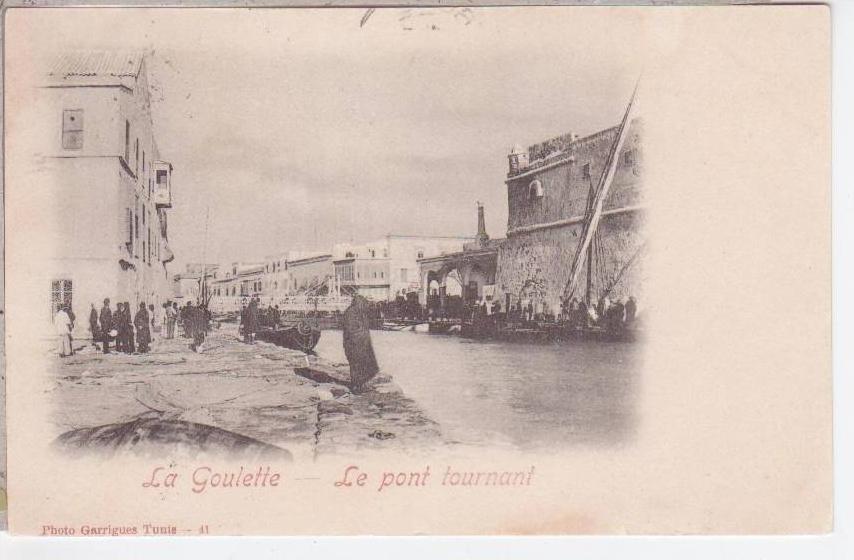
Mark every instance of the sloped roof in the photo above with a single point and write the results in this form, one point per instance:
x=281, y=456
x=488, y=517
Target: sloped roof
x=97, y=67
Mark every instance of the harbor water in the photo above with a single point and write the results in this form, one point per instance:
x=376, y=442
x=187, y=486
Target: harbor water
x=522, y=396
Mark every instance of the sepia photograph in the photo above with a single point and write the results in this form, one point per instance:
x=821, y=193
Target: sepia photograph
x=289, y=252
x=503, y=268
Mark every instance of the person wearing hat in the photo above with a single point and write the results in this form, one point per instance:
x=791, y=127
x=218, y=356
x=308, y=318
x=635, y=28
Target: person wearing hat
x=106, y=319
x=143, y=328
x=94, y=328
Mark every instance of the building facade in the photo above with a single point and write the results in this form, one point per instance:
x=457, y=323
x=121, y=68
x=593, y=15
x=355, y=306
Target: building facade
x=98, y=155
x=387, y=268
x=186, y=285
x=549, y=188
x=309, y=274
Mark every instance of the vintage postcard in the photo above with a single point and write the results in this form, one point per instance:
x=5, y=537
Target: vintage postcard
x=411, y=271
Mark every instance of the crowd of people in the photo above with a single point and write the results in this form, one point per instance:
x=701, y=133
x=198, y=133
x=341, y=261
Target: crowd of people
x=195, y=321
x=249, y=320
x=129, y=332
x=575, y=313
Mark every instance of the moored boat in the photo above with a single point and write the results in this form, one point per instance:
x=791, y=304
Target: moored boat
x=301, y=335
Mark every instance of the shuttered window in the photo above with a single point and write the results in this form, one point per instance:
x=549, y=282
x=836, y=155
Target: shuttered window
x=129, y=229
x=60, y=295
x=127, y=142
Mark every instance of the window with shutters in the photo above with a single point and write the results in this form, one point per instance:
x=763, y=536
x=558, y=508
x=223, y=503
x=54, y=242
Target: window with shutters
x=60, y=295
x=127, y=141
x=72, y=129
x=129, y=229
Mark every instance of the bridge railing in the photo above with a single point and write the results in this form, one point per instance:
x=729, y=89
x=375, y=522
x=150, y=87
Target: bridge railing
x=296, y=303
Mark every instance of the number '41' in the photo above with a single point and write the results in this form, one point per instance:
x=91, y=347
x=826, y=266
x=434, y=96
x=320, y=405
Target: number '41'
x=203, y=530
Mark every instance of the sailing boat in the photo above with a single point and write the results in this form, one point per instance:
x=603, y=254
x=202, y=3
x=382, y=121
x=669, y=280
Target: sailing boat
x=590, y=252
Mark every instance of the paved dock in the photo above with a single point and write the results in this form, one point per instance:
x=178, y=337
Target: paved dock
x=232, y=396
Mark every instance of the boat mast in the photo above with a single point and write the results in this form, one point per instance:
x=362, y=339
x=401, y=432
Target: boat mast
x=591, y=223
x=588, y=299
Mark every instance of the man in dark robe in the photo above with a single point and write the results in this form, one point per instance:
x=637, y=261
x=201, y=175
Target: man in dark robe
x=357, y=343
x=187, y=319
x=631, y=310
x=615, y=316
x=93, y=326
x=106, y=319
x=244, y=312
x=251, y=325
x=121, y=327
x=129, y=334
x=199, y=319
x=143, y=328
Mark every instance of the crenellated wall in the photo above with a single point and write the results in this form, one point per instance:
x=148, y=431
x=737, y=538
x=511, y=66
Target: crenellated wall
x=566, y=183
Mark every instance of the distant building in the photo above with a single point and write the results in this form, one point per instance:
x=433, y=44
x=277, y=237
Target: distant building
x=310, y=274
x=99, y=155
x=276, y=280
x=186, y=285
x=386, y=268
x=548, y=191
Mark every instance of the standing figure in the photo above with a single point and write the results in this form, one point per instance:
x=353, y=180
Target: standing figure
x=199, y=319
x=127, y=321
x=93, y=326
x=119, y=327
x=615, y=316
x=602, y=308
x=250, y=326
x=106, y=319
x=171, y=318
x=631, y=310
x=71, y=327
x=357, y=343
x=155, y=327
x=187, y=319
x=143, y=329
x=62, y=327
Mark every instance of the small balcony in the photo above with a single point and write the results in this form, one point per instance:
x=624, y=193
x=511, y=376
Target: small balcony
x=162, y=184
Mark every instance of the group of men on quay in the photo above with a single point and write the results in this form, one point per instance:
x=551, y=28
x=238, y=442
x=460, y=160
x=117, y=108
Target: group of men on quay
x=251, y=317
x=116, y=329
x=575, y=313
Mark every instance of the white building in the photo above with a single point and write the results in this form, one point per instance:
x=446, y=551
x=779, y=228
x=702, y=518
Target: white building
x=95, y=150
x=386, y=268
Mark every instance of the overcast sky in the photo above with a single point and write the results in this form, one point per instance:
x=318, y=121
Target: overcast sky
x=302, y=128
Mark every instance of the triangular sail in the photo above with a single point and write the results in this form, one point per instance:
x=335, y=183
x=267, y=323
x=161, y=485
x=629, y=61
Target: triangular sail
x=591, y=222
